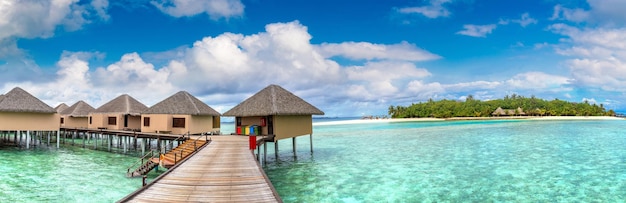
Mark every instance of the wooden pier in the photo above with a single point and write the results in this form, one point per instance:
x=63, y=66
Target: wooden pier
x=223, y=171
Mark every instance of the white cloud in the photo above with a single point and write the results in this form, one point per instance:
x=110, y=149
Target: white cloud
x=424, y=91
x=283, y=54
x=33, y=18
x=608, y=11
x=379, y=77
x=525, y=20
x=574, y=15
x=590, y=100
x=216, y=9
x=539, y=81
x=365, y=50
x=436, y=9
x=604, y=12
x=598, y=56
x=472, y=86
x=477, y=30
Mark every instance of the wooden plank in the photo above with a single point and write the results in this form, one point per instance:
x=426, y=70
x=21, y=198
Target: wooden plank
x=224, y=171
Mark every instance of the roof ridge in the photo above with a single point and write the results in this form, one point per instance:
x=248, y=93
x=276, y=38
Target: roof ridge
x=192, y=102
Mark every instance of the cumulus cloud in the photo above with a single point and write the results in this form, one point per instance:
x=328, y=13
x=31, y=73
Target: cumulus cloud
x=282, y=54
x=377, y=79
x=574, y=15
x=435, y=9
x=604, y=12
x=424, y=91
x=539, y=80
x=32, y=18
x=597, y=55
x=364, y=50
x=477, y=30
x=216, y=9
x=525, y=20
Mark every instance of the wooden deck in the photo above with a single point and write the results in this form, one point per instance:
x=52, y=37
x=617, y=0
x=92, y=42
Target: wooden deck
x=124, y=133
x=223, y=171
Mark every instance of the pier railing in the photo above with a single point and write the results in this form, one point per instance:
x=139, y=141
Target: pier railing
x=145, y=158
x=186, y=147
x=171, y=144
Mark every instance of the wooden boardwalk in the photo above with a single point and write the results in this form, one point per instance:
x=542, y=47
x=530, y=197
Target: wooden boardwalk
x=224, y=171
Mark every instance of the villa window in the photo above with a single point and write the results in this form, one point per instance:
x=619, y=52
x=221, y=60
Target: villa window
x=146, y=121
x=178, y=122
x=89, y=119
x=62, y=120
x=112, y=120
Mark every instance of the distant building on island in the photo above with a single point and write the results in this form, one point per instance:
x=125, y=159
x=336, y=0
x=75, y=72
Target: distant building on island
x=180, y=113
x=508, y=112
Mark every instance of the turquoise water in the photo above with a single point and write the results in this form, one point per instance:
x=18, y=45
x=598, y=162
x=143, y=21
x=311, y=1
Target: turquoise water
x=463, y=161
x=69, y=174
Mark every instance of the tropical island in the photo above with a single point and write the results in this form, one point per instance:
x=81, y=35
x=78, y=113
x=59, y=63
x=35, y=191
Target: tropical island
x=513, y=105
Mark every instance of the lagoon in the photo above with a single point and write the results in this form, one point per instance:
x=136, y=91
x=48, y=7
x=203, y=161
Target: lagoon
x=451, y=161
x=457, y=161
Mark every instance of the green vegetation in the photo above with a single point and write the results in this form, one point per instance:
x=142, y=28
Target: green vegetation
x=475, y=108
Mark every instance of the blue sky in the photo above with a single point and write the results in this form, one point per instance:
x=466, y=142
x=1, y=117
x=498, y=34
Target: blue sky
x=349, y=58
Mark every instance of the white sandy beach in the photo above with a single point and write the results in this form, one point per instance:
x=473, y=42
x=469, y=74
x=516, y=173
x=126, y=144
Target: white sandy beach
x=365, y=121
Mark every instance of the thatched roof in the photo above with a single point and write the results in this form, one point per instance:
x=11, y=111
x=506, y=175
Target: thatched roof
x=273, y=100
x=123, y=104
x=498, y=112
x=79, y=109
x=503, y=112
x=61, y=107
x=18, y=100
x=520, y=111
x=182, y=103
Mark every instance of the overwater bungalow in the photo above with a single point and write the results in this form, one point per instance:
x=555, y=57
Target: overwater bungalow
x=180, y=113
x=121, y=113
x=21, y=111
x=76, y=116
x=61, y=107
x=277, y=112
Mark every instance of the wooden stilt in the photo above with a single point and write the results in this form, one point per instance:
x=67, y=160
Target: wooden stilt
x=276, y=149
x=265, y=153
x=27, y=140
x=58, y=138
x=293, y=140
x=311, y=141
x=143, y=146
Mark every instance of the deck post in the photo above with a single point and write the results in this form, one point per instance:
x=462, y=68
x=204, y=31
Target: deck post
x=311, y=141
x=124, y=143
x=293, y=141
x=276, y=149
x=49, y=138
x=58, y=138
x=27, y=139
x=84, y=139
x=19, y=142
x=143, y=146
